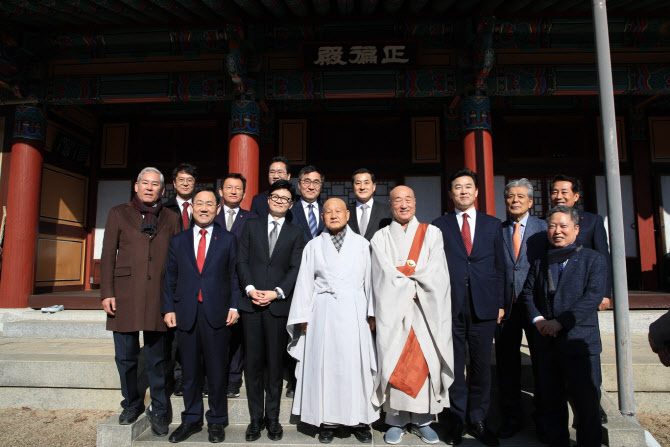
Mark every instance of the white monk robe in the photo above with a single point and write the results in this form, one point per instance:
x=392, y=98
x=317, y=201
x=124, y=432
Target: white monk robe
x=336, y=362
x=397, y=312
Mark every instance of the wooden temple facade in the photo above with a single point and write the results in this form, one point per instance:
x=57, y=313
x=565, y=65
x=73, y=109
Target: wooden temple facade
x=92, y=91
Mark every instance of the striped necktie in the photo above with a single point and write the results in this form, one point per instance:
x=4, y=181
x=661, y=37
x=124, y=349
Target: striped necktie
x=312, y=219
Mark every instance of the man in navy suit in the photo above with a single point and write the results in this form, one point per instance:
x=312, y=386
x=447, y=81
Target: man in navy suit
x=525, y=239
x=561, y=297
x=270, y=250
x=278, y=169
x=367, y=214
x=232, y=218
x=307, y=212
x=200, y=296
x=473, y=243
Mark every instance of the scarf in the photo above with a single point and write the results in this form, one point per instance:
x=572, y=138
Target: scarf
x=559, y=256
x=149, y=213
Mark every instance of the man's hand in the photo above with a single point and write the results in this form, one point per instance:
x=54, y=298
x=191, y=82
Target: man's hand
x=553, y=327
x=253, y=294
x=265, y=297
x=109, y=305
x=304, y=327
x=605, y=304
x=233, y=317
x=501, y=314
x=541, y=326
x=170, y=319
x=373, y=323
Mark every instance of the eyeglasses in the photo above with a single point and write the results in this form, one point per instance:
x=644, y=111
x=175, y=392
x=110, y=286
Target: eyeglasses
x=279, y=199
x=185, y=181
x=307, y=182
x=278, y=172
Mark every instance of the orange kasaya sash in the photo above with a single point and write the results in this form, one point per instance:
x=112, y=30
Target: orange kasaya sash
x=411, y=371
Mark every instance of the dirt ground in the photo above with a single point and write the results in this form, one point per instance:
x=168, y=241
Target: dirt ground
x=26, y=427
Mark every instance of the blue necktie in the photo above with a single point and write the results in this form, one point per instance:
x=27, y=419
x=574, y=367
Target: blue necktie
x=312, y=220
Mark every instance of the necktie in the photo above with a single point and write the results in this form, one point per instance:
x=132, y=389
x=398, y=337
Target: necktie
x=312, y=220
x=364, y=218
x=231, y=219
x=465, y=233
x=272, y=241
x=200, y=260
x=516, y=239
x=185, y=218
x=561, y=267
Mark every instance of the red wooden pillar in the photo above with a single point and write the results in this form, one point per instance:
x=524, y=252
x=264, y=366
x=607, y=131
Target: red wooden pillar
x=23, y=207
x=243, y=148
x=644, y=207
x=478, y=148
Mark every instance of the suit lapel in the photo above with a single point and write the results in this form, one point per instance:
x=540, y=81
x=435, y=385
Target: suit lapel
x=373, y=221
x=300, y=217
x=280, y=241
x=238, y=220
x=479, y=225
x=264, y=235
x=508, y=241
x=453, y=223
x=192, y=244
x=211, y=250
x=353, y=218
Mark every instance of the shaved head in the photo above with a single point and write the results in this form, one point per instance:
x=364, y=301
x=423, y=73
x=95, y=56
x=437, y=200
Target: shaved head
x=335, y=215
x=403, y=204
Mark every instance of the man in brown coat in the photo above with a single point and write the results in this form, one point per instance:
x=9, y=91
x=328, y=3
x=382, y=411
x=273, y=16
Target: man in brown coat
x=134, y=255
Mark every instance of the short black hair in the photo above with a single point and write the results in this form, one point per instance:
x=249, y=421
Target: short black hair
x=576, y=185
x=207, y=189
x=280, y=159
x=283, y=184
x=363, y=171
x=310, y=168
x=187, y=168
x=463, y=172
x=237, y=176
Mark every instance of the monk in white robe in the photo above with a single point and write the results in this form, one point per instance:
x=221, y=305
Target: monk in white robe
x=413, y=305
x=330, y=336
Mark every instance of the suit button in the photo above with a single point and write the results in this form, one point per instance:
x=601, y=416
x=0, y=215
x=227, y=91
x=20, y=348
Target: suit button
x=468, y=262
x=149, y=258
x=516, y=269
x=148, y=277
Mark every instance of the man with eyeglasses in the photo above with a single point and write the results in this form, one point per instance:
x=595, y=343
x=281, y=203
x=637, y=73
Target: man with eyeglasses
x=306, y=215
x=269, y=254
x=232, y=218
x=278, y=169
x=183, y=180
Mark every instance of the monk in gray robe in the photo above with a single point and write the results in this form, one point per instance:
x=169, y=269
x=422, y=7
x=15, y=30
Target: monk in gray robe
x=411, y=286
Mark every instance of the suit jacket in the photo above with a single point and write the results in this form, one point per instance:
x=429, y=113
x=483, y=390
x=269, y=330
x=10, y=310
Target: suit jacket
x=380, y=217
x=172, y=204
x=238, y=223
x=132, y=266
x=575, y=303
x=483, y=270
x=592, y=235
x=300, y=219
x=217, y=281
x=534, y=246
x=256, y=267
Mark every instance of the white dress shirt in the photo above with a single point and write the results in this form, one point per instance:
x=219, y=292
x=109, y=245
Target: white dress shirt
x=359, y=210
x=472, y=220
x=522, y=228
x=305, y=207
x=180, y=202
x=225, y=210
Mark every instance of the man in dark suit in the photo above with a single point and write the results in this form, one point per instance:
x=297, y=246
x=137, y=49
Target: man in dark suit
x=183, y=179
x=232, y=218
x=473, y=244
x=525, y=239
x=307, y=212
x=270, y=251
x=278, y=169
x=132, y=265
x=566, y=191
x=200, y=296
x=367, y=214
x=561, y=297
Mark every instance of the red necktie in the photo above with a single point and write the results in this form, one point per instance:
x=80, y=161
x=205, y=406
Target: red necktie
x=185, y=219
x=516, y=239
x=201, y=256
x=465, y=233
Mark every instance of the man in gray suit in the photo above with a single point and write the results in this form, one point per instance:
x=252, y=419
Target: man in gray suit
x=525, y=239
x=367, y=214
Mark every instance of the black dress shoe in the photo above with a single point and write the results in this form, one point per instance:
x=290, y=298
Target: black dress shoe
x=480, y=432
x=233, y=389
x=327, y=434
x=603, y=416
x=362, y=433
x=453, y=435
x=205, y=390
x=130, y=415
x=160, y=424
x=184, y=431
x=290, y=389
x=254, y=430
x=509, y=429
x=178, y=388
x=216, y=432
x=275, y=432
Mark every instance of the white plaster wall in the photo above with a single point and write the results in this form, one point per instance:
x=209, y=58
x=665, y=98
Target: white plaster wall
x=428, y=193
x=499, y=186
x=628, y=210
x=110, y=194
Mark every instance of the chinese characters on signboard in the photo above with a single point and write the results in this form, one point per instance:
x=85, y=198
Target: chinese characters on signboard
x=332, y=56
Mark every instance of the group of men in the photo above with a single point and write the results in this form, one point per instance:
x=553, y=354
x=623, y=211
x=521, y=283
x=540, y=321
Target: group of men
x=377, y=310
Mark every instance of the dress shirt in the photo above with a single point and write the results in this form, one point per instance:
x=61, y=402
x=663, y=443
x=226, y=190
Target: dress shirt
x=180, y=202
x=359, y=211
x=280, y=222
x=522, y=228
x=226, y=209
x=472, y=220
x=208, y=239
x=305, y=207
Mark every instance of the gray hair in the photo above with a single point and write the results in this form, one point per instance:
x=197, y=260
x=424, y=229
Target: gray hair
x=150, y=169
x=520, y=182
x=572, y=212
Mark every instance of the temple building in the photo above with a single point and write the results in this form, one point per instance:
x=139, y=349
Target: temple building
x=92, y=91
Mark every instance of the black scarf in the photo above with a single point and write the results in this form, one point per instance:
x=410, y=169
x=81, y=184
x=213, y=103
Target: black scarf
x=149, y=213
x=559, y=256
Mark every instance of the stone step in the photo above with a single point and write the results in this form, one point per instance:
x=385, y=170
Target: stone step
x=86, y=329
